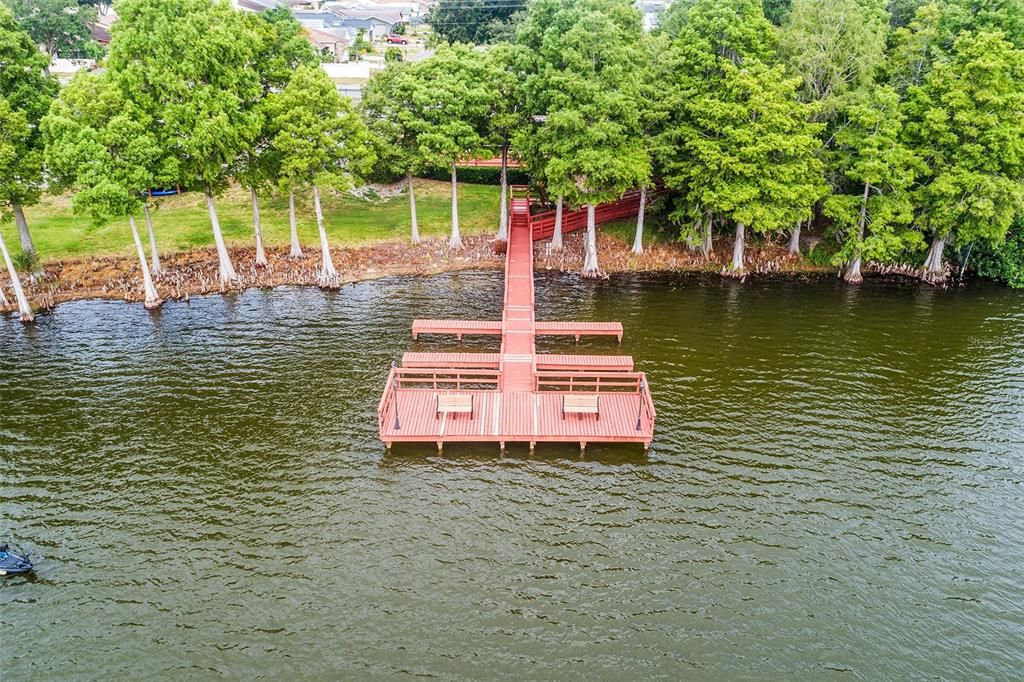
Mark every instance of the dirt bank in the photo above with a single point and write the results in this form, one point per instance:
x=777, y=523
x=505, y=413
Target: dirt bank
x=194, y=272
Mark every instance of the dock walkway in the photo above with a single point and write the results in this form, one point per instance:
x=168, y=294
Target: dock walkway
x=516, y=395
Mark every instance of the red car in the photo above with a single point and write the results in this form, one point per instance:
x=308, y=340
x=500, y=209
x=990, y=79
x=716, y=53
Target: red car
x=395, y=38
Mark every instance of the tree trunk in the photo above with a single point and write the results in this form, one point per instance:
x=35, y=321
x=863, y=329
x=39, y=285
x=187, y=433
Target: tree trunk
x=503, y=215
x=24, y=236
x=707, y=246
x=737, y=248
x=852, y=274
x=590, y=267
x=556, y=237
x=154, y=254
x=296, y=251
x=694, y=236
x=257, y=228
x=794, y=240
x=19, y=294
x=456, y=241
x=327, y=272
x=227, y=271
x=412, y=207
x=638, y=240
x=152, y=297
x=933, y=264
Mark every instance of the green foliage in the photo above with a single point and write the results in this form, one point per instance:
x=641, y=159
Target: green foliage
x=21, y=163
x=102, y=146
x=25, y=95
x=471, y=21
x=360, y=46
x=581, y=60
x=478, y=175
x=60, y=26
x=872, y=211
x=393, y=54
x=390, y=109
x=822, y=255
x=673, y=18
x=1003, y=263
x=453, y=100
x=964, y=16
x=319, y=137
x=964, y=121
x=282, y=47
x=835, y=46
x=191, y=66
x=915, y=47
x=901, y=12
x=776, y=11
x=507, y=115
x=735, y=141
x=25, y=261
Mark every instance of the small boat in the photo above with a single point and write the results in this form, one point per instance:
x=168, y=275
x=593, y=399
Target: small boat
x=12, y=563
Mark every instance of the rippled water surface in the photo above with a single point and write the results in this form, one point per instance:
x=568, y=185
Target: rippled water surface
x=835, y=489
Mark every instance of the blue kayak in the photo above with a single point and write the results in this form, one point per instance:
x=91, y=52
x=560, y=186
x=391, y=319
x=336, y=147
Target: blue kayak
x=13, y=564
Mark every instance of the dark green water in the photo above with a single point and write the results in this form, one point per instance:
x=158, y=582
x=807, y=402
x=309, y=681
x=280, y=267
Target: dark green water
x=835, y=490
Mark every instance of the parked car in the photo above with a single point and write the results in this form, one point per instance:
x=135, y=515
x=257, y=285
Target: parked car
x=397, y=39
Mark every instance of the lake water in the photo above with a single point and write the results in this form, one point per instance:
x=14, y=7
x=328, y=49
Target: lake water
x=836, y=489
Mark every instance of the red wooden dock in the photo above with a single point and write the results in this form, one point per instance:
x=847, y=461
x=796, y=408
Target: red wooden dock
x=518, y=395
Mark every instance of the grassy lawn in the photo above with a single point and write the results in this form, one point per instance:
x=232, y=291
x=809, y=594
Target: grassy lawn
x=181, y=222
x=656, y=230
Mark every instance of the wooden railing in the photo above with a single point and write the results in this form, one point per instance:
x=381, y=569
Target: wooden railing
x=417, y=379
x=385, y=410
x=585, y=380
x=441, y=379
x=604, y=382
x=543, y=224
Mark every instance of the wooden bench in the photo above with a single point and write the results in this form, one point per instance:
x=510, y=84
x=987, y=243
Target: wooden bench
x=581, y=404
x=454, y=403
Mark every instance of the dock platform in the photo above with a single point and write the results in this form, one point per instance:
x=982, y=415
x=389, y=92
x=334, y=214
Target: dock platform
x=516, y=395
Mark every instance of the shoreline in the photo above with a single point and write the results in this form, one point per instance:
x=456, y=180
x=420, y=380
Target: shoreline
x=194, y=272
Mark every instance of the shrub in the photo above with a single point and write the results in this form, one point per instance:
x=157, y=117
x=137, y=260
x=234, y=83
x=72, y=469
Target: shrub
x=477, y=175
x=25, y=261
x=1003, y=263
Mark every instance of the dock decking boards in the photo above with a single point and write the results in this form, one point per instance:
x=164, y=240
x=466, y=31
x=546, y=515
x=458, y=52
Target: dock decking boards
x=517, y=393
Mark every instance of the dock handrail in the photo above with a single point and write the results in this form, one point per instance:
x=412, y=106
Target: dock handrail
x=387, y=400
x=589, y=380
x=445, y=379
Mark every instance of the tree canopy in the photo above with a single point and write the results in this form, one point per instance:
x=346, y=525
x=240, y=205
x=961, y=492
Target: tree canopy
x=316, y=132
x=580, y=59
x=58, y=26
x=966, y=122
x=26, y=91
x=474, y=21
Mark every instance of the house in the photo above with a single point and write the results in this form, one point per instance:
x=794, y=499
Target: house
x=333, y=44
x=375, y=24
x=100, y=33
x=263, y=5
x=410, y=10
x=318, y=19
x=256, y=5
